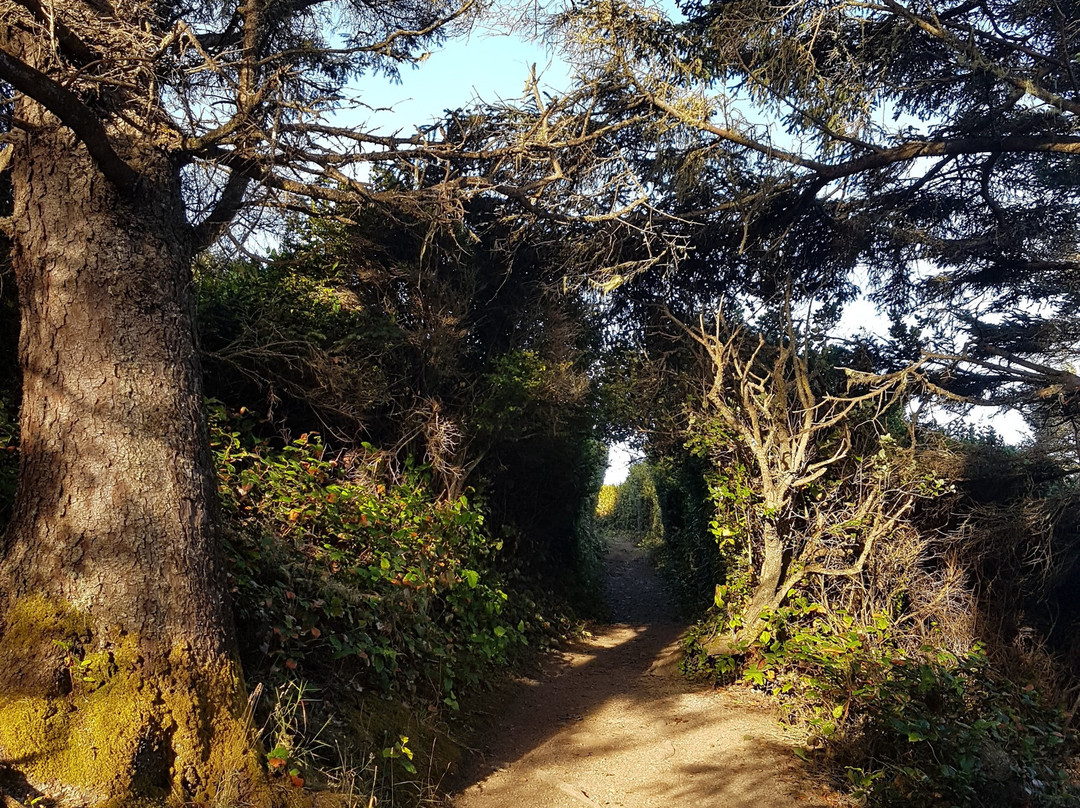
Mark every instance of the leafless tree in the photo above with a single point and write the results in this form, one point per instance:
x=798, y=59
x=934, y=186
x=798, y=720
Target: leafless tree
x=809, y=509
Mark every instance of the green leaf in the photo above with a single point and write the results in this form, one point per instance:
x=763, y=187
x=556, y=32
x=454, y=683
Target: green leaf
x=472, y=578
x=754, y=674
x=719, y=596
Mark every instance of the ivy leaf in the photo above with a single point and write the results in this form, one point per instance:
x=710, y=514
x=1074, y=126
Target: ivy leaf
x=754, y=674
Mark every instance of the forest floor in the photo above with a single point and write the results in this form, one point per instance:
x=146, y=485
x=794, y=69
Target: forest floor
x=609, y=721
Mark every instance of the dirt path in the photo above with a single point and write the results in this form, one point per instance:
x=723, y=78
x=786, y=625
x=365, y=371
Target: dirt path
x=611, y=723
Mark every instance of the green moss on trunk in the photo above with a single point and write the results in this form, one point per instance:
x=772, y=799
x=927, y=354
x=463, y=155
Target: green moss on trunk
x=107, y=722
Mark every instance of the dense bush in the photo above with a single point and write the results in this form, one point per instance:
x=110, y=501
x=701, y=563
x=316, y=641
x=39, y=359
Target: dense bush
x=336, y=568
x=908, y=726
x=425, y=351
x=367, y=604
x=689, y=556
x=605, y=503
x=419, y=346
x=304, y=348
x=928, y=680
x=586, y=535
x=636, y=508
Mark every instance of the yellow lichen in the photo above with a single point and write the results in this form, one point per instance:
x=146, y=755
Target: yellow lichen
x=126, y=730
x=37, y=631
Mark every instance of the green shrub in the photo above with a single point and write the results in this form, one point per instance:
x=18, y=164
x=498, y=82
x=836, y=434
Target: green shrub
x=637, y=508
x=586, y=532
x=688, y=557
x=303, y=347
x=907, y=726
x=605, y=503
x=334, y=568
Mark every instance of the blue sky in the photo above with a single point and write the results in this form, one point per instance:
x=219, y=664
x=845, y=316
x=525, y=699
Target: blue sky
x=486, y=65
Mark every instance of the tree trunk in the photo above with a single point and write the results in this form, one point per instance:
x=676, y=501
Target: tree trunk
x=768, y=595
x=119, y=683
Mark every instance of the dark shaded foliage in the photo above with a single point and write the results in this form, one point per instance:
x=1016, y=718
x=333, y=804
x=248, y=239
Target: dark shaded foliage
x=688, y=554
x=458, y=349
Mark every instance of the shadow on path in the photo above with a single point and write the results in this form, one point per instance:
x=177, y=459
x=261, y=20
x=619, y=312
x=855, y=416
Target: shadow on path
x=610, y=722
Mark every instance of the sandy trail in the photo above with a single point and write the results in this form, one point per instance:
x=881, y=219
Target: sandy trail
x=610, y=722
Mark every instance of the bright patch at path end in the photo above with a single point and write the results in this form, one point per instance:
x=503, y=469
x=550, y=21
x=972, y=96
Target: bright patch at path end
x=620, y=458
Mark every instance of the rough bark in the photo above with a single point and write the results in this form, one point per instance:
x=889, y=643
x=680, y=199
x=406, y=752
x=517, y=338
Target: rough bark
x=120, y=684
x=769, y=593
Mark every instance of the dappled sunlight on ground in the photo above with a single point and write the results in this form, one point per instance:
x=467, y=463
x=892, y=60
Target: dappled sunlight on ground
x=611, y=723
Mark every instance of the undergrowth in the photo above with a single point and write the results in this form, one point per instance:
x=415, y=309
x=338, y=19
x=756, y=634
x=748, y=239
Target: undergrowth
x=906, y=726
x=375, y=600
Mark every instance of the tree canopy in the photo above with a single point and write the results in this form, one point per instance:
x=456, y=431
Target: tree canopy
x=934, y=149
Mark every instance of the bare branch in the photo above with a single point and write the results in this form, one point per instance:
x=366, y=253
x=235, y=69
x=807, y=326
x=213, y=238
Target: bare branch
x=222, y=214
x=71, y=111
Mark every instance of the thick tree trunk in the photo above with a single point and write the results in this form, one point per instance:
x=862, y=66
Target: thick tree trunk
x=119, y=683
